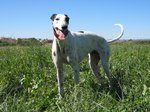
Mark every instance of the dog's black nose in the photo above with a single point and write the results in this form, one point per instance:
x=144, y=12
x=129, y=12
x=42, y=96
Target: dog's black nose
x=64, y=27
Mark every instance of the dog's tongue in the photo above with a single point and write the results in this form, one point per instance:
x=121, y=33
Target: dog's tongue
x=61, y=35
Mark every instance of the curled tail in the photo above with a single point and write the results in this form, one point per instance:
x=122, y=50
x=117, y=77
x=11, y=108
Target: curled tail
x=119, y=36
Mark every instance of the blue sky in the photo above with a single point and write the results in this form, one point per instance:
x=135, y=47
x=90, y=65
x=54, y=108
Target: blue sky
x=31, y=18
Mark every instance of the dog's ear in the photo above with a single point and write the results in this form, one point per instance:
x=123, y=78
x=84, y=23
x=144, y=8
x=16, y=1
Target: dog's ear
x=67, y=18
x=53, y=17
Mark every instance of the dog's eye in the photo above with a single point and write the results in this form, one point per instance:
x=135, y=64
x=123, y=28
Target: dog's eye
x=57, y=19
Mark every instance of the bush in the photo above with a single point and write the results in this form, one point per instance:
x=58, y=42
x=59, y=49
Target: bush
x=28, y=42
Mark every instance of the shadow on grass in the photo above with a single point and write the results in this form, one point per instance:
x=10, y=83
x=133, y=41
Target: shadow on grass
x=117, y=88
x=117, y=91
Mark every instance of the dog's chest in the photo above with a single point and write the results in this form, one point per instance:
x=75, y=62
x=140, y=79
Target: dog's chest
x=65, y=52
x=66, y=55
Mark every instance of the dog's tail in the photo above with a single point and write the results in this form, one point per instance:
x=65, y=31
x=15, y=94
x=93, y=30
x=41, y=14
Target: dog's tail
x=119, y=36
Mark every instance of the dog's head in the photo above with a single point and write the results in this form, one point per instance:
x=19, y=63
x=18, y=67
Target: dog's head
x=60, y=24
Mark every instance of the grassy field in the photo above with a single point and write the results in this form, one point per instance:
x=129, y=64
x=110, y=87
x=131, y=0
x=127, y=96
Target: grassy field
x=28, y=81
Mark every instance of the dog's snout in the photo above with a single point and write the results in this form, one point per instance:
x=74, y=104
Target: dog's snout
x=64, y=27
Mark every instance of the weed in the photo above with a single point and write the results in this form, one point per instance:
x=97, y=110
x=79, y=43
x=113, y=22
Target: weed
x=28, y=81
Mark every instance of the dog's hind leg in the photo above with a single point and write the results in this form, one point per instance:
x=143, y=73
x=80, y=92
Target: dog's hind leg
x=104, y=60
x=94, y=58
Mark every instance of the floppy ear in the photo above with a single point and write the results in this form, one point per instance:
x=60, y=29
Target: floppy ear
x=53, y=17
x=67, y=18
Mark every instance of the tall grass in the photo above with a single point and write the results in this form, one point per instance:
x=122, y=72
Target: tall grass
x=28, y=81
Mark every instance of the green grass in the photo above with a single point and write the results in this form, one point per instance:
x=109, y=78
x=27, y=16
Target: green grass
x=28, y=81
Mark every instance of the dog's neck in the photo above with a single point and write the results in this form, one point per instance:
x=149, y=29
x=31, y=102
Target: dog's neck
x=63, y=43
x=66, y=32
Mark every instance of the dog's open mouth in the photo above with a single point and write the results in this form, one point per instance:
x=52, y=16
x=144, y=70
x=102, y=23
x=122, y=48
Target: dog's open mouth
x=59, y=33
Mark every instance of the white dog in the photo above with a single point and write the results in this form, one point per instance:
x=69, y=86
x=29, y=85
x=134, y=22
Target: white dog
x=71, y=47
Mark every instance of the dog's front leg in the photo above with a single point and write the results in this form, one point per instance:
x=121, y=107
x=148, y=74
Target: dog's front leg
x=60, y=79
x=76, y=69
